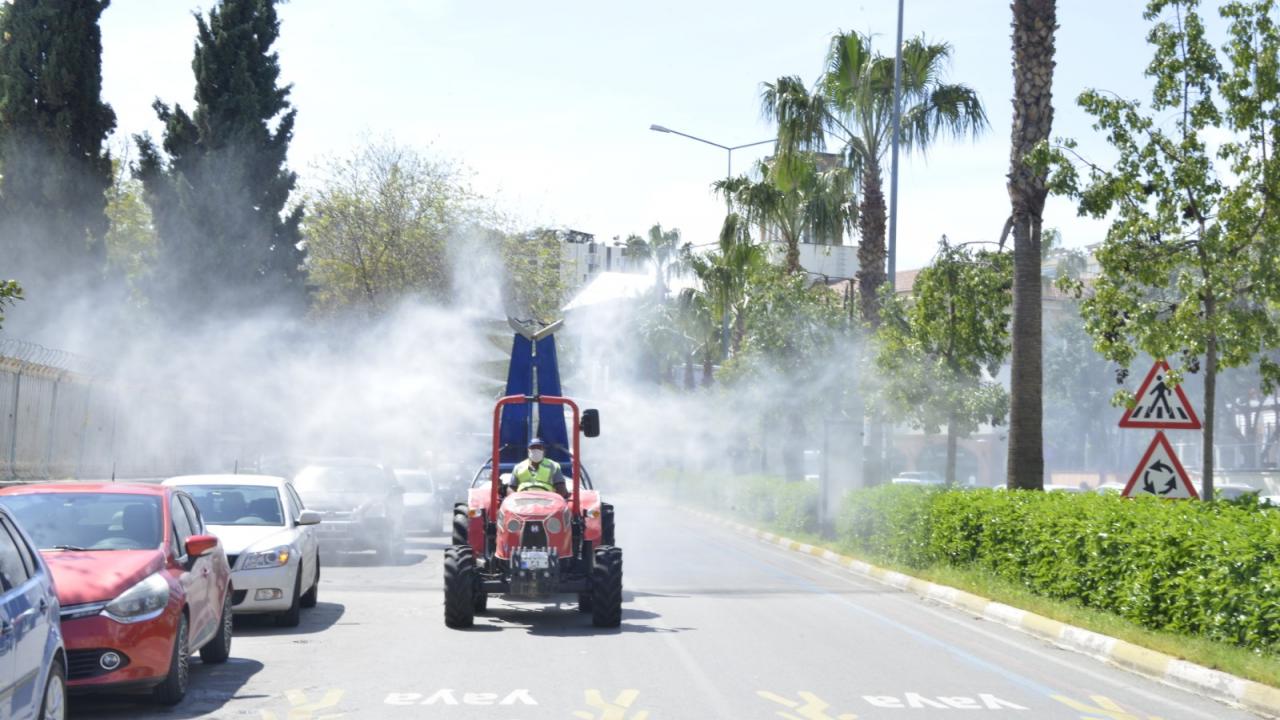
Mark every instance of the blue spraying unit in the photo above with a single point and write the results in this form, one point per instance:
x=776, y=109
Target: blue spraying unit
x=534, y=369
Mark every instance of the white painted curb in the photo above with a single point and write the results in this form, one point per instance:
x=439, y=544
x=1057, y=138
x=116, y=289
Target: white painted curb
x=1259, y=698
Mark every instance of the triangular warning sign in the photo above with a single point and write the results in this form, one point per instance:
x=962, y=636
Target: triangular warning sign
x=1160, y=406
x=1160, y=474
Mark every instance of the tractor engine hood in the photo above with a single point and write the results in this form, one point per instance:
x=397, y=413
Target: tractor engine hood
x=534, y=519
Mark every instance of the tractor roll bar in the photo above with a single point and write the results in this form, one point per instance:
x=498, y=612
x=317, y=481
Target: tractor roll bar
x=577, y=455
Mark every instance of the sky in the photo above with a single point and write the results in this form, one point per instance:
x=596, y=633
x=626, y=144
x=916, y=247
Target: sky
x=549, y=104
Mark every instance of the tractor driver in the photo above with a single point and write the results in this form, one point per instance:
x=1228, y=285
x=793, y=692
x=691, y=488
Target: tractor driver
x=538, y=472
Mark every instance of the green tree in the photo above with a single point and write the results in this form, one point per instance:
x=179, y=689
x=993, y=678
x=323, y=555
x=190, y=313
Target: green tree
x=725, y=275
x=1189, y=266
x=534, y=287
x=379, y=227
x=853, y=101
x=131, y=238
x=805, y=201
x=10, y=293
x=933, y=350
x=53, y=125
x=1034, y=25
x=663, y=249
x=220, y=190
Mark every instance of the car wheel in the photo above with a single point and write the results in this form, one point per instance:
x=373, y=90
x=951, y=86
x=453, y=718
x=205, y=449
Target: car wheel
x=310, y=597
x=293, y=616
x=54, y=705
x=173, y=688
x=606, y=588
x=218, y=649
x=459, y=587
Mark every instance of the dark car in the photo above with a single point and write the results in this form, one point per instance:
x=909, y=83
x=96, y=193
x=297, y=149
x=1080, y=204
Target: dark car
x=360, y=503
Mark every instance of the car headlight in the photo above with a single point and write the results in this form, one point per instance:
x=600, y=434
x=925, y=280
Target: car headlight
x=140, y=602
x=268, y=559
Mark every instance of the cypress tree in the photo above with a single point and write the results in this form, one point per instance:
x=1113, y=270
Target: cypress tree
x=219, y=188
x=53, y=169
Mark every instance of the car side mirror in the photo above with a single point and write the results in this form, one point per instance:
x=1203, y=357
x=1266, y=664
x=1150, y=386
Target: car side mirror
x=308, y=517
x=201, y=545
x=591, y=423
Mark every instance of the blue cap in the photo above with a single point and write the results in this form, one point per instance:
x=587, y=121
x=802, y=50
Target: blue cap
x=537, y=442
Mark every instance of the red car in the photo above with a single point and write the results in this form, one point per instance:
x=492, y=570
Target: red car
x=140, y=582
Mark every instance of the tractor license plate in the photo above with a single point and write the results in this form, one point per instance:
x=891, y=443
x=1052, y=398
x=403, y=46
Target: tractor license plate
x=535, y=560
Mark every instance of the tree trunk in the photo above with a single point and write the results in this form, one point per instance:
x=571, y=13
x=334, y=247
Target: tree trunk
x=793, y=253
x=706, y=370
x=688, y=373
x=1034, y=24
x=871, y=253
x=951, y=451
x=1210, y=400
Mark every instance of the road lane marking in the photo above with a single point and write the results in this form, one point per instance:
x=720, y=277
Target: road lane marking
x=809, y=707
x=302, y=708
x=615, y=710
x=950, y=617
x=447, y=696
x=1103, y=708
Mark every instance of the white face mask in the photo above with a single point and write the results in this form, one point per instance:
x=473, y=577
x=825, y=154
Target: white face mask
x=536, y=455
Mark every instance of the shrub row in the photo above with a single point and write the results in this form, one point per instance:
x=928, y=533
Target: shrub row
x=1195, y=568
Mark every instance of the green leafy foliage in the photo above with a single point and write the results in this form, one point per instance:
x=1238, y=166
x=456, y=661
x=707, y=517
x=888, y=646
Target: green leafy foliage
x=53, y=126
x=379, y=228
x=10, y=292
x=1201, y=569
x=933, y=349
x=1190, y=264
x=219, y=189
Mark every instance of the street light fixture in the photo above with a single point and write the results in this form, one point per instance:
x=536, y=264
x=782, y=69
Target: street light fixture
x=724, y=324
x=727, y=148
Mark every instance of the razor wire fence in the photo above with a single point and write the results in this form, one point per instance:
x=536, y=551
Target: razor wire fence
x=63, y=416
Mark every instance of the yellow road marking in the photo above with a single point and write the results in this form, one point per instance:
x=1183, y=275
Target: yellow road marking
x=615, y=710
x=1103, y=708
x=809, y=707
x=301, y=708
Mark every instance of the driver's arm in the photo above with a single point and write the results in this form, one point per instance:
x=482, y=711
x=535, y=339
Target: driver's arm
x=557, y=481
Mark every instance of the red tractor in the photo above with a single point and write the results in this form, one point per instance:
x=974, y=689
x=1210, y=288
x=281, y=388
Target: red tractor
x=537, y=544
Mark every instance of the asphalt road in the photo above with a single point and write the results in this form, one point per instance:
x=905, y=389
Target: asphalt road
x=715, y=626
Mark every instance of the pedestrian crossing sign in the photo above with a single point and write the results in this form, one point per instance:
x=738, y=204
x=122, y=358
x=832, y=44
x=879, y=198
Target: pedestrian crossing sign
x=1160, y=474
x=1159, y=405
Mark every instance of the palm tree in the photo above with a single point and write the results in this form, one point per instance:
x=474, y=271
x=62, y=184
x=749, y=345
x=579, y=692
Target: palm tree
x=853, y=102
x=663, y=249
x=805, y=201
x=1034, y=24
x=725, y=275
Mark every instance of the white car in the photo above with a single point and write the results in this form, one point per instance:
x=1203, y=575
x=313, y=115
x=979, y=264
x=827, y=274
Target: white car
x=269, y=537
x=918, y=478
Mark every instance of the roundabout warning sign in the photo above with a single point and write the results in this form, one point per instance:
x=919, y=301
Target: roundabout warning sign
x=1160, y=474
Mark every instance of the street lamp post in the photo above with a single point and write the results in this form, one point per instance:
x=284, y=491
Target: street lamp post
x=724, y=316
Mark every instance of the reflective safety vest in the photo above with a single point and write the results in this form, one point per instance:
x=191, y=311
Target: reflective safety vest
x=529, y=479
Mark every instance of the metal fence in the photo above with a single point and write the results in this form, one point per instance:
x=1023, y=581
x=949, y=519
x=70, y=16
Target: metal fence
x=61, y=417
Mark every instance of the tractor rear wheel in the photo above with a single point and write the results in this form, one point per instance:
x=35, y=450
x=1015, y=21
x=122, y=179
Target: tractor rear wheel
x=606, y=588
x=606, y=524
x=461, y=524
x=459, y=587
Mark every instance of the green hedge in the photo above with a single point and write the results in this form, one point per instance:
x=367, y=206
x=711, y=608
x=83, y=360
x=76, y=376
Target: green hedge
x=1189, y=567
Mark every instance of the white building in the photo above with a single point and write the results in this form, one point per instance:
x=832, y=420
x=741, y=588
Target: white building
x=583, y=258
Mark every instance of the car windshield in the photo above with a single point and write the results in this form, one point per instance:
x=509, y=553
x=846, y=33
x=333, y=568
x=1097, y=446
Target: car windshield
x=415, y=481
x=89, y=521
x=238, y=504
x=341, y=479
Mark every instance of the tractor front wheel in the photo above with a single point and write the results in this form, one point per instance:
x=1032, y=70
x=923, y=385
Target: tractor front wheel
x=461, y=524
x=606, y=588
x=459, y=587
